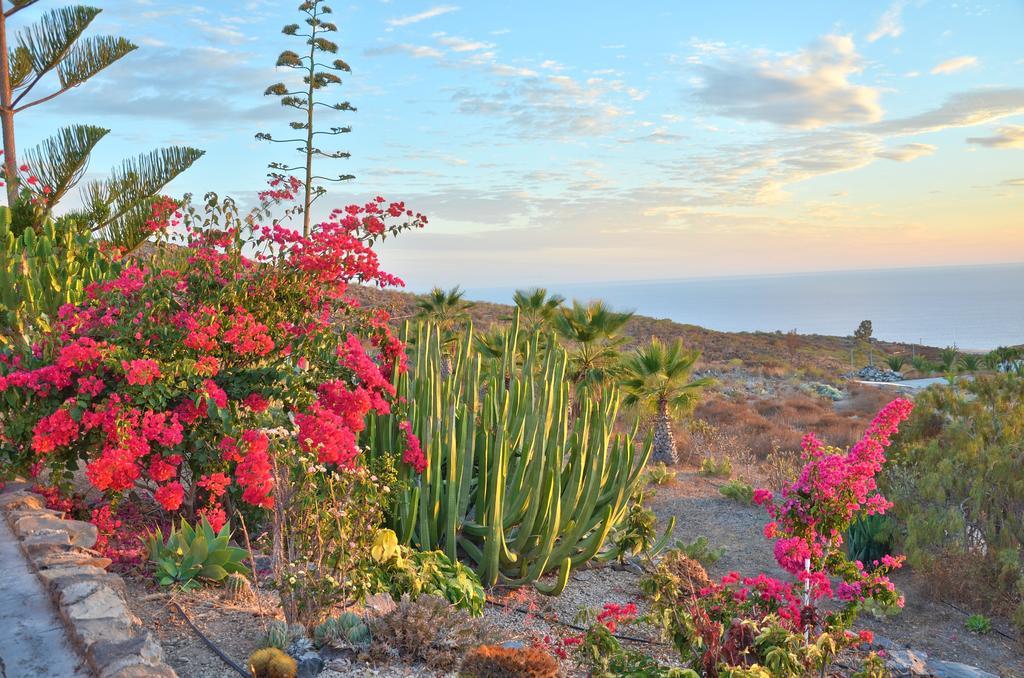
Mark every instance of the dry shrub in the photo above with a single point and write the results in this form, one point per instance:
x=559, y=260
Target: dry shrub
x=428, y=629
x=781, y=468
x=492, y=661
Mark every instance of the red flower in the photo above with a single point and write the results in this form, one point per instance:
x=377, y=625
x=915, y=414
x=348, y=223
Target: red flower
x=140, y=372
x=170, y=495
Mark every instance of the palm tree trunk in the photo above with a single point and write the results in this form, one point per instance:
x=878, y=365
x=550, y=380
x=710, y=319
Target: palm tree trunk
x=664, y=441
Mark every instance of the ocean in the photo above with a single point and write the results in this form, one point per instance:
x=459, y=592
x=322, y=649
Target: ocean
x=971, y=307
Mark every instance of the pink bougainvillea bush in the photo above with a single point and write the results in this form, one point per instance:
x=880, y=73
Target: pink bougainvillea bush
x=174, y=377
x=786, y=627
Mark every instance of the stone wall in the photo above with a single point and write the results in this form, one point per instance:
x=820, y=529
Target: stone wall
x=89, y=600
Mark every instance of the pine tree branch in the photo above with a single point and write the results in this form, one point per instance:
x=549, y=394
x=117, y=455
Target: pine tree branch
x=46, y=98
x=18, y=6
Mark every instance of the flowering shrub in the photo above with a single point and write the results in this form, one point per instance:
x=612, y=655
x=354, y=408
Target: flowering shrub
x=167, y=377
x=763, y=624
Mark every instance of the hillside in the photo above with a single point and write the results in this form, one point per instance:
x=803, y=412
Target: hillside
x=768, y=354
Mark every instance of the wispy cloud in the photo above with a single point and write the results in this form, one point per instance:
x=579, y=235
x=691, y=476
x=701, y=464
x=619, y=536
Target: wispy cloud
x=808, y=90
x=890, y=24
x=457, y=44
x=906, y=152
x=415, y=51
x=961, y=109
x=1010, y=136
x=955, y=64
x=422, y=16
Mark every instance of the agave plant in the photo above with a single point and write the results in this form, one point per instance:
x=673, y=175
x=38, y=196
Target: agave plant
x=191, y=554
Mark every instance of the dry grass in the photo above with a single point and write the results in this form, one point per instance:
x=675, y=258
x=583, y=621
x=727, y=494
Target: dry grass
x=778, y=423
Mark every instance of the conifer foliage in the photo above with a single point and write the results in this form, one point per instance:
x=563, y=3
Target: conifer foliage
x=316, y=76
x=45, y=59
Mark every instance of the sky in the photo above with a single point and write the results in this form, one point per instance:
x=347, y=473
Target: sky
x=554, y=142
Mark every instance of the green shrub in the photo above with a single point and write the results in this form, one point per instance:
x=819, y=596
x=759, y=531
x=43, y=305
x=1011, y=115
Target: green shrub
x=659, y=474
x=921, y=364
x=957, y=480
x=737, y=490
x=638, y=533
x=978, y=623
x=700, y=550
x=191, y=554
x=948, y=357
x=401, y=570
x=716, y=469
x=969, y=362
x=895, y=362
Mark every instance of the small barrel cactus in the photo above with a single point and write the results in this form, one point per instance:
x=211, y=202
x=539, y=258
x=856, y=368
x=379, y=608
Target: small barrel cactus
x=347, y=630
x=279, y=634
x=271, y=662
x=238, y=587
x=487, y=661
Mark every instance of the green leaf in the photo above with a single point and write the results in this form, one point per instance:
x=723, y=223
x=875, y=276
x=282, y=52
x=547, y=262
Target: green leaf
x=199, y=550
x=214, y=572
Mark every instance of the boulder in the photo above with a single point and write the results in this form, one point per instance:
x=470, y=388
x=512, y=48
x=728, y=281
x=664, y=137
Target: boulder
x=108, y=657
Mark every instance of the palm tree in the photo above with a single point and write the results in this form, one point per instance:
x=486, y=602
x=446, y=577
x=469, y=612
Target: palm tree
x=657, y=377
x=536, y=308
x=448, y=310
x=592, y=334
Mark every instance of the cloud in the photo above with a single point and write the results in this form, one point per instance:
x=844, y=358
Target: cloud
x=415, y=51
x=906, y=152
x=961, y=109
x=807, y=90
x=422, y=16
x=955, y=64
x=1010, y=136
x=890, y=23
x=1014, y=182
x=461, y=44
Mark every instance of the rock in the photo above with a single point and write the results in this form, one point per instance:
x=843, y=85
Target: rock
x=877, y=374
x=45, y=556
x=15, y=515
x=381, y=603
x=108, y=657
x=102, y=603
x=80, y=533
x=941, y=669
x=17, y=486
x=310, y=665
x=908, y=663
x=58, y=537
x=90, y=631
x=138, y=671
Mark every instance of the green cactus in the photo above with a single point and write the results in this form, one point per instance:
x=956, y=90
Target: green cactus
x=513, y=480
x=41, y=270
x=347, y=630
x=280, y=634
x=238, y=586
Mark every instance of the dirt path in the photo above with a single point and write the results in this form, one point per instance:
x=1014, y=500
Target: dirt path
x=925, y=624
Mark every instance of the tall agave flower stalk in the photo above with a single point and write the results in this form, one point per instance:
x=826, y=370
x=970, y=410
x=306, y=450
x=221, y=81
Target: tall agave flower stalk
x=513, y=482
